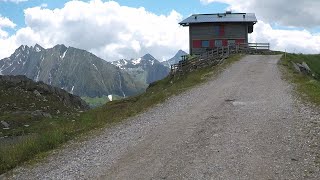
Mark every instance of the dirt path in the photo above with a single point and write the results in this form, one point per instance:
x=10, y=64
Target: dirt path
x=243, y=125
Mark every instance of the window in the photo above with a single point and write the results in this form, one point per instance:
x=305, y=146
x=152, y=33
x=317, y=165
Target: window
x=231, y=42
x=218, y=43
x=205, y=44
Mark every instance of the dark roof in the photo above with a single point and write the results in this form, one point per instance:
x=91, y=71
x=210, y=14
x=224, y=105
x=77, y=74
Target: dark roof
x=220, y=17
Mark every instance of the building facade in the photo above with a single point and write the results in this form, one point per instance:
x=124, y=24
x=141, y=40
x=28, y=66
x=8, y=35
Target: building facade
x=207, y=31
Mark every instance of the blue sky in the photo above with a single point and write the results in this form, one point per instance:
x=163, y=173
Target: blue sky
x=121, y=29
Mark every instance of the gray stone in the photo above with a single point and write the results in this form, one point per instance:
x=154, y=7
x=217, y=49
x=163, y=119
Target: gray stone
x=305, y=65
x=41, y=113
x=296, y=67
x=5, y=124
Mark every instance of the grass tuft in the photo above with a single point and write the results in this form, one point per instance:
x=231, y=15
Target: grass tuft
x=307, y=86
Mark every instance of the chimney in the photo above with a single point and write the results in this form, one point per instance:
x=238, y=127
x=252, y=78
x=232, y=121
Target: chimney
x=244, y=16
x=228, y=12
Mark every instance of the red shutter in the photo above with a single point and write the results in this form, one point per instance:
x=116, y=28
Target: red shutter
x=212, y=43
x=221, y=30
x=238, y=41
x=224, y=42
x=196, y=43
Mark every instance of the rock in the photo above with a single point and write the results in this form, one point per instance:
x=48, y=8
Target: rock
x=305, y=65
x=5, y=124
x=41, y=113
x=41, y=89
x=302, y=68
x=296, y=67
x=37, y=93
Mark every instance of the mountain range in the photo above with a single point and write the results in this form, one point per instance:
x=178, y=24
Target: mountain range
x=74, y=70
x=82, y=73
x=146, y=69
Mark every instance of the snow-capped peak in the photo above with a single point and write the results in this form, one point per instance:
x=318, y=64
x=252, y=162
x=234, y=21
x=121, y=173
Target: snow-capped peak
x=37, y=48
x=120, y=63
x=137, y=61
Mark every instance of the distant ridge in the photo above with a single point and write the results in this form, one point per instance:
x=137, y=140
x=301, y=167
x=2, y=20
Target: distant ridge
x=175, y=59
x=146, y=69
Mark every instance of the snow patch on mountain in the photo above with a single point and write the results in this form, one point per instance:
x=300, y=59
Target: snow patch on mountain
x=95, y=67
x=137, y=61
x=121, y=63
x=64, y=54
x=37, y=77
x=38, y=49
x=71, y=92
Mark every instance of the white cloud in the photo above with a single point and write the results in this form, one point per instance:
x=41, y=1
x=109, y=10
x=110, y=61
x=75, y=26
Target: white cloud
x=5, y=23
x=107, y=29
x=298, y=13
x=297, y=41
x=14, y=1
x=288, y=13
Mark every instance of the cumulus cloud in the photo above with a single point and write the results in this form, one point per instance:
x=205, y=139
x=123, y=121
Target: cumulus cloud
x=14, y=1
x=295, y=13
x=296, y=41
x=5, y=23
x=288, y=13
x=107, y=29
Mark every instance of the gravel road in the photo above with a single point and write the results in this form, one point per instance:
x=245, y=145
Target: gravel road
x=244, y=124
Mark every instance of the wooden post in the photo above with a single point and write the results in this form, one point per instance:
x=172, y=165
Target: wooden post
x=285, y=54
x=222, y=50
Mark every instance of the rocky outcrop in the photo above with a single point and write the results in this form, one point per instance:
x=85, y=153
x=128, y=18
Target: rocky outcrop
x=42, y=89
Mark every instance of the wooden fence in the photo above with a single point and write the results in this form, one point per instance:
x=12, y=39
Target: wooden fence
x=217, y=55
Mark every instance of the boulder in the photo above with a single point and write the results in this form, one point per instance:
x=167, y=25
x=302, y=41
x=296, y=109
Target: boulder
x=5, y=124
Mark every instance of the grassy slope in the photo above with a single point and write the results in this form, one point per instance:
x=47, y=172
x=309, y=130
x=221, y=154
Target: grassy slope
x=52, y=133
x=99, y=101
x=308, y=87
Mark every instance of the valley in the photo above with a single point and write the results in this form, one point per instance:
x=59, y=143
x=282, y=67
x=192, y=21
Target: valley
x=81, y=73
x=46, y=94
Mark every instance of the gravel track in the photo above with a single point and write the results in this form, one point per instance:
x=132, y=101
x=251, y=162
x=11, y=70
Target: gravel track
x=244, y=124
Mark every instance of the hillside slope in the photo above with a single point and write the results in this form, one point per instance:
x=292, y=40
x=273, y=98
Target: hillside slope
x=74, y=70
x=25, y=102
x=244, y=124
